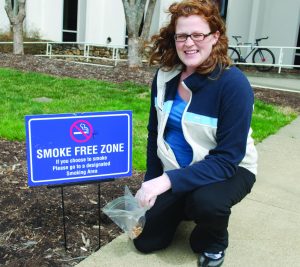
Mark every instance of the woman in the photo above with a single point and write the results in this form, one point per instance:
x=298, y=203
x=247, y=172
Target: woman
x=201, y=159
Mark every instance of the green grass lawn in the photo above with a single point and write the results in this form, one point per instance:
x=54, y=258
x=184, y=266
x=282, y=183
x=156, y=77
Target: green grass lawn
x=19, y=89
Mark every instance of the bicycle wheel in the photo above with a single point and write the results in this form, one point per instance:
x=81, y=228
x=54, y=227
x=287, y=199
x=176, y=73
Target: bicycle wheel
x=233, y=54
x=263, y=56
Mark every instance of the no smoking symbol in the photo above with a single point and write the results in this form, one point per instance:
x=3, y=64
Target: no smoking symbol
x=81, y=131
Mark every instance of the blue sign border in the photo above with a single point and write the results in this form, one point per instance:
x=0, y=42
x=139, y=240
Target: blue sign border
x=34, y=180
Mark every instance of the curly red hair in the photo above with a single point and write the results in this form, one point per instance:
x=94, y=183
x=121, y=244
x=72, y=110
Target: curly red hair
x=164, y=50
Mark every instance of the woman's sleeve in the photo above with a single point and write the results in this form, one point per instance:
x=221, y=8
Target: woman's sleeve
x=154, y=166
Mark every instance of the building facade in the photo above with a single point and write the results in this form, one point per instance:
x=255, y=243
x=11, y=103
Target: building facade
x=103, y=21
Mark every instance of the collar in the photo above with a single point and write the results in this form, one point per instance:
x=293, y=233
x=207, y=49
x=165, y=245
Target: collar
x=196, y=81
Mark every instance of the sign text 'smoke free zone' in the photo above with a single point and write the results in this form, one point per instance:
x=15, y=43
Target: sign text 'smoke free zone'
x=78, y=148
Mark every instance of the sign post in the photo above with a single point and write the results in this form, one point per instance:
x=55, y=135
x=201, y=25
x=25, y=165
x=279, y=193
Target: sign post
x=68, y=149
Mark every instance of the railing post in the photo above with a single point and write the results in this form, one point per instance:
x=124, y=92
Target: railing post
x=49, y=50
x=84, y=50
x=87, y=52
x=113, y=53
x=114, y=56
x=280, y=59
x=117, y=56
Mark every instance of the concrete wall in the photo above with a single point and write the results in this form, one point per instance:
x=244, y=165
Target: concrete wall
x=260, y=18
x=81, y=20
x=4, y=22
x=100, y=19
x=94, y=27
x=281, y=23
x=155, y=24
x=239, y=14
x=40, y=16
x=105, y=19
x=114, y=22
x=164, y=16
x=33, y=19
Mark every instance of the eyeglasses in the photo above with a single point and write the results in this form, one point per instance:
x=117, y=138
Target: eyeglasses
x=197, y=37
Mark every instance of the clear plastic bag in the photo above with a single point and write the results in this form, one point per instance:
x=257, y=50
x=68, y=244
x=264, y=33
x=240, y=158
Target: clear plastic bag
x=127, y=214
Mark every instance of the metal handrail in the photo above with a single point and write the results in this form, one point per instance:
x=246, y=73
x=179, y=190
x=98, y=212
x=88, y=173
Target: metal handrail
x=116, y=52
x=280, y=57
x=86, y=50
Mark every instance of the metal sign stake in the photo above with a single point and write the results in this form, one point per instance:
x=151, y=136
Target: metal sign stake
x=63, y=216
x=99, y=214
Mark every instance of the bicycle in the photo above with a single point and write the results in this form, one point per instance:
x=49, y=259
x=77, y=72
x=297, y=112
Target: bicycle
x=261, y=56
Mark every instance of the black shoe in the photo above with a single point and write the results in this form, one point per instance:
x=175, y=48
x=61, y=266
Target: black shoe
x=205, y=261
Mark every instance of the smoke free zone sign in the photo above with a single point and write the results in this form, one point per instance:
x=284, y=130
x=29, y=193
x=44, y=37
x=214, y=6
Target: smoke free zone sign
x=78, y=148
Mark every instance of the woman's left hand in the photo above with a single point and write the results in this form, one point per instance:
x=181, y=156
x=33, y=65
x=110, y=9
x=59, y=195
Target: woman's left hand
x=149, y=190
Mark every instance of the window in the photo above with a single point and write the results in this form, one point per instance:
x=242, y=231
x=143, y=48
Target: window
x=297, y=55
x=70, y=20
x=222, y=7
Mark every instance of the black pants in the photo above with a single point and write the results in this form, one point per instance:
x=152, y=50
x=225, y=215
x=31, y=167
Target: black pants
x=208, y=206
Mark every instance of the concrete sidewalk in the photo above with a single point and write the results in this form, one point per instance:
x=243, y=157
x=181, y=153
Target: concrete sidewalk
x=264, y=227
x=282, y=82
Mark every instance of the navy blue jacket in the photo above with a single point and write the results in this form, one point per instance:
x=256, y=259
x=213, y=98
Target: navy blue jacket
x=216, y=123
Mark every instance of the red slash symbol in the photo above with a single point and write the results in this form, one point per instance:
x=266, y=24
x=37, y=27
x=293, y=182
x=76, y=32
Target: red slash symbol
x=81, y=131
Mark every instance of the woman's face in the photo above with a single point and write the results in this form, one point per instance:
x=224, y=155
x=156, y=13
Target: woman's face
x=194, y=53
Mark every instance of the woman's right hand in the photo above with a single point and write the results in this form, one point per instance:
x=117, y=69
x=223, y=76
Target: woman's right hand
x=149, y=190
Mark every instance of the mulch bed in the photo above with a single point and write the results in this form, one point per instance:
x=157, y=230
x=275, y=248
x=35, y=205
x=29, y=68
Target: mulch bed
x=31, y=229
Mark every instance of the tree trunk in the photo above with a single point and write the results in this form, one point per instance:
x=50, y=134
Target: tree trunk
x=148, y=19
x=18, y=39
x=134, y=11
x=16, y=17
x=135, y=52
